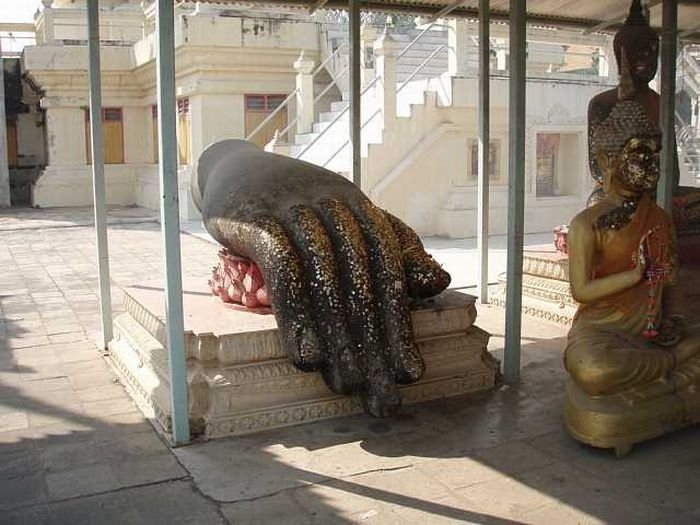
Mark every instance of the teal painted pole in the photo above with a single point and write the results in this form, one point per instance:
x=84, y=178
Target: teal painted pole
x=170, y=219
x=669, y=51
x=98, y=171
x=516, y=191
x=482, y=216
x=355, y=89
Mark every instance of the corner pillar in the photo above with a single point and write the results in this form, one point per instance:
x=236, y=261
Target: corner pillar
x=304, y=67
x=48, y=35
x=386, y=50
x=458, y=44
x=368, y=35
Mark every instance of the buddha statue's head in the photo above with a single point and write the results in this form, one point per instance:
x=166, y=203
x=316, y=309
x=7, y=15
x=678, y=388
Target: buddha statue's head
x=636, y=47
x=628, y=146
x=639, y=163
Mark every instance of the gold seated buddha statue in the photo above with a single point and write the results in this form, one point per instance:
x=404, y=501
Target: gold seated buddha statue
x=633, y=361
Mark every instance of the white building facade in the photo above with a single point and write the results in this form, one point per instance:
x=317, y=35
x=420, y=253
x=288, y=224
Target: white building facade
x=236, y=70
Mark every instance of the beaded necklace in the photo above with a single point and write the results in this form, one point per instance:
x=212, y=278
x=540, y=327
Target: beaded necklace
x=654, y=255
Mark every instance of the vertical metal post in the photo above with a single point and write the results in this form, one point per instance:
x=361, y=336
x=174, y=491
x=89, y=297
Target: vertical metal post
x=669, y=34
x=482, y=240
x=98, y=170
x=516, y=190
x=4, y=156
x=355, y=86
x=170, y=219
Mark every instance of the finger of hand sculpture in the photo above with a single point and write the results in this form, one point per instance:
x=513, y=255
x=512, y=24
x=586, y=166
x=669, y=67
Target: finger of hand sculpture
x=341, y=370
x=354, y=271
x=339, y=270
x=424, y=276
x=265, y=241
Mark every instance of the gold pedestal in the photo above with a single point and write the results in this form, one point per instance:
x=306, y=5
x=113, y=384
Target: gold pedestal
x=614, y=422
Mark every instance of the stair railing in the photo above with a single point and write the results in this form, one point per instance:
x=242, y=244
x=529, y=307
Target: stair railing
x=308, y=146
x=332, y=122
x=420, y=67
x=285, y=103
x=403, y=85
x=334, y=82
x=684, y=136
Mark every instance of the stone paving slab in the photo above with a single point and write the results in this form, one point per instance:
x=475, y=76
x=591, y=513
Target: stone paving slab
x=49, y=218
x=73, y=446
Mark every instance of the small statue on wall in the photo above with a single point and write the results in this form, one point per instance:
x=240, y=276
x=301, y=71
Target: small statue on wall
x=337, y=270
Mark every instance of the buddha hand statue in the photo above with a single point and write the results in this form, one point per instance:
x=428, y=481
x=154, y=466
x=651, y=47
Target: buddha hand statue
x=339, y=271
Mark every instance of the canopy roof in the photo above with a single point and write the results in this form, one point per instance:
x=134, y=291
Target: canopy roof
x=591, y=15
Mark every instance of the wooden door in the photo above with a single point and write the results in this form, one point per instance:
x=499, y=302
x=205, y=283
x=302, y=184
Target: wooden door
x=257, y=109
x=12, y=146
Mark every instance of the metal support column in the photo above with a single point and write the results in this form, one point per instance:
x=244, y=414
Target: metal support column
x=355, y=87
x=98, y=170
x=516, y=190
x=669, y=34
x=5, y=199
x=170, y=219
x=482, y=240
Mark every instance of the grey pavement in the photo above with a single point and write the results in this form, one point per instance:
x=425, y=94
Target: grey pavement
x=74, y=449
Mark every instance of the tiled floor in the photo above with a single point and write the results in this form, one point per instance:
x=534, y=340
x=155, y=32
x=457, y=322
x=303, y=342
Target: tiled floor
x=74, y=449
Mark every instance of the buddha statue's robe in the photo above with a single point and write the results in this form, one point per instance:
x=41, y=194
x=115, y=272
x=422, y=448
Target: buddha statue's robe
x=607, y=352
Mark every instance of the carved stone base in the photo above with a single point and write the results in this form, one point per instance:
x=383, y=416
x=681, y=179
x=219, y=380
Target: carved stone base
x=546, y=290
x=612, y=422
x=240, y=381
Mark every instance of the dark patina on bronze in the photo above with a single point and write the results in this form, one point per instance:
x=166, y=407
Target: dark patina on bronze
x=339, y=271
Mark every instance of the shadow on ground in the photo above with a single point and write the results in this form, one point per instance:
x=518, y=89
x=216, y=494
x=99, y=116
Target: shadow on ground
x=502, y=457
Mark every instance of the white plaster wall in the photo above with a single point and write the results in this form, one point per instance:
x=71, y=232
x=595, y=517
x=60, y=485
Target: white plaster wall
x=138, y=141
x=215, y=117
x=147, y=185
x=209, y=30
x=72, y=185
x=66, y=136
x=419, y=170
x=416, y=196
x=148, y=188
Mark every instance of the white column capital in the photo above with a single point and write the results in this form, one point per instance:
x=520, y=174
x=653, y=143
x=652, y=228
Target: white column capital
x=304, y=64
x=386, y=45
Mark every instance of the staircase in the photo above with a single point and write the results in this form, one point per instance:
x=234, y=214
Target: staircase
x=688, y=118
x=327, y=144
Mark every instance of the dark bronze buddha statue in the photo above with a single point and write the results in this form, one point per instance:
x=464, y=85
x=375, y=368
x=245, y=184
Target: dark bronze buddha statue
x=636, y=47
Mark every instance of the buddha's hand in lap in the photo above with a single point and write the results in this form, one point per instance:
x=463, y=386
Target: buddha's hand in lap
x=671, y=331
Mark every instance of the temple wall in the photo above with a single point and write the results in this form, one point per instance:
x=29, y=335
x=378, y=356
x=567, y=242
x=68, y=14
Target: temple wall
x=423, y=170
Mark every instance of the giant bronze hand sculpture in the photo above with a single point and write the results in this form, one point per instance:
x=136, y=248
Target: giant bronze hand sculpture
x=339, y=270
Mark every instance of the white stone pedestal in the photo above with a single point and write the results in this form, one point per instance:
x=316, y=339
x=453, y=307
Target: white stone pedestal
x=241, y=381
x=546, y=289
